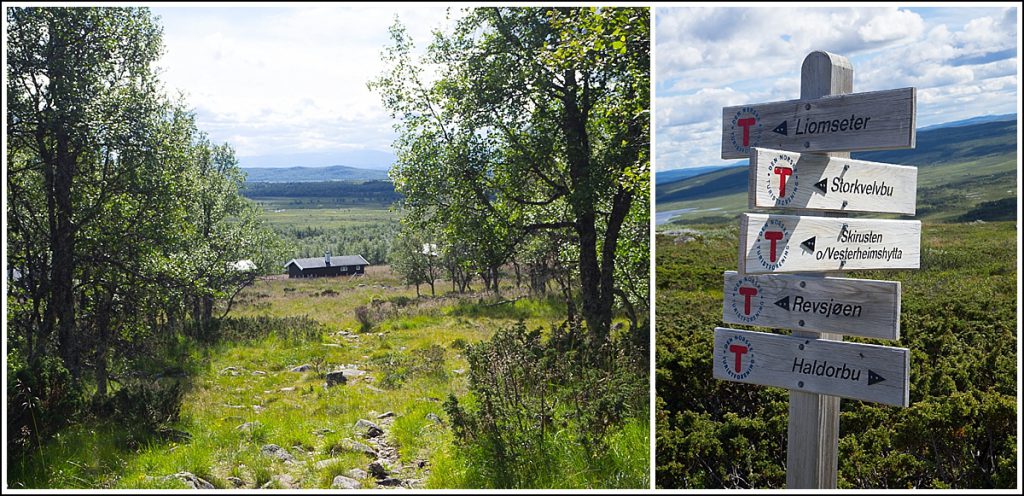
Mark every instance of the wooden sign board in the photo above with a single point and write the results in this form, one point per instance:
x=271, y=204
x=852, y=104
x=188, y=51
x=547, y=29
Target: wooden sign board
x=849, y=370
x=875, y=120
x=781, y=179
x=790, y=243
x=854, y=307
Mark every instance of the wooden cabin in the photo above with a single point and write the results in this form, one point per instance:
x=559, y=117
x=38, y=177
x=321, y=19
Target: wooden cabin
x=326, y=266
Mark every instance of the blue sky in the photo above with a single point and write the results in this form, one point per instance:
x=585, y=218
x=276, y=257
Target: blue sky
x=287, y=85
x=963, y=62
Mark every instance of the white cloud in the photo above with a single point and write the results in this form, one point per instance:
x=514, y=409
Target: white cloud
x=962, y=60
x=273, y=80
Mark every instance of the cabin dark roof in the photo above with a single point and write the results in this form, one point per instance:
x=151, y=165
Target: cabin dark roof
x=319, y=262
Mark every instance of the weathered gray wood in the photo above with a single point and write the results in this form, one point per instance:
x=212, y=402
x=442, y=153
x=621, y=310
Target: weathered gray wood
x=781, y=179
x=812, y=459
x=854, y=307
x=790, y=243
x=874, y=120
x=864, y=372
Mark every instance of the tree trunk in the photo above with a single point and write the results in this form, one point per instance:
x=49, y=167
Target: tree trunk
x=596, y=310
x=102, y=343
x=207, y=316
x=63, y=262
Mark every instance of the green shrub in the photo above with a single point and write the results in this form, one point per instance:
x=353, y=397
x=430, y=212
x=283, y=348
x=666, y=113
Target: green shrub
x=236, y=329
x=147, y=404
x=365, y=318
x=958, y=319
x=543, y=410
x=397, y=367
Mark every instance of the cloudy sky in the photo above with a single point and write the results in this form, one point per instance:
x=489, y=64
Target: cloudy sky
x=287, y=85
x=963, y=62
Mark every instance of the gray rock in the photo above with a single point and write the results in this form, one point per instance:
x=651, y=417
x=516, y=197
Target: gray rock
x=229, y=370
x=434, y=418
x=287, y=389
x=336, y=377
x=322, y=432
x=302, y=368
x=389, y=482
x=275, y=451
x=191, y=479
x=322, y=464
x=342, y=482
x=250, y=426
x=413, y=483
x=368, y=429
x=386, y=415
x=355, y=446
x=376, y=469
x=357, y=473
x=283, y=481
x=258, y=372
x=235, y=481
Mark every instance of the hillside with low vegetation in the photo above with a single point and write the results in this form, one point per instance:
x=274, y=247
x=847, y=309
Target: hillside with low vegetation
x=957, y=317
x=965, y=173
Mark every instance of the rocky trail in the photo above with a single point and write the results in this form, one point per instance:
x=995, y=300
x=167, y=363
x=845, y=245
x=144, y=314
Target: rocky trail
x=305, y=466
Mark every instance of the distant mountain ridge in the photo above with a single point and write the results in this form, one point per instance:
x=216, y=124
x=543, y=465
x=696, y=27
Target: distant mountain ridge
x=981, y=119
x=311, y=174
x=672, y=175
x=967, y=153
x=360, y=159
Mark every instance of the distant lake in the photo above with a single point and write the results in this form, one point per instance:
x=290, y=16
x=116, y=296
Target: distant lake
x=663, y=217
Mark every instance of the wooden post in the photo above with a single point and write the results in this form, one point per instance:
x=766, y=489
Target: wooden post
x=813, y=433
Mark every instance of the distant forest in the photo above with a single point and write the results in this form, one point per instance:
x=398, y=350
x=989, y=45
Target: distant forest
x=354, y=191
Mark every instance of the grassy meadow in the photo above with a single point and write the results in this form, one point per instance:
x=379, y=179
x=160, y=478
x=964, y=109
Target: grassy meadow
x=240, y=392
x=309, y=225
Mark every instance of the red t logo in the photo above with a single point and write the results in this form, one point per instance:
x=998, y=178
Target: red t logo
x=745, y=124
x=782, y=172
x=747, y=293
x=739, y=350
x=773, y=236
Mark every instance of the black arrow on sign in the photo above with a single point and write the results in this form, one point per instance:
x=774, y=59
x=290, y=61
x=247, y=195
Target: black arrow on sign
x=782, y=129
x=783, y=303
x=822, y=185
x=874, y=378
x=809, y=243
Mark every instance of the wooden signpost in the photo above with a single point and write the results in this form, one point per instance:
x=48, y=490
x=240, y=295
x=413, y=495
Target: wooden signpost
x=789, y=243
x=781, y=179
x=849, y=370
x=854, y=307
x=877, y=120
x=813, y=362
